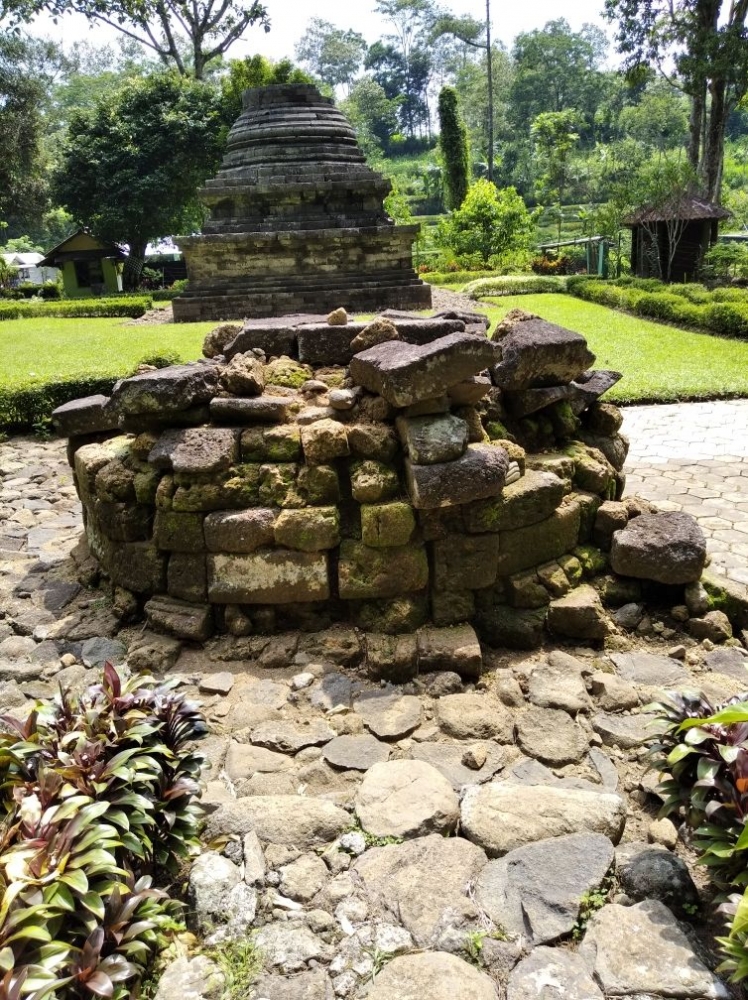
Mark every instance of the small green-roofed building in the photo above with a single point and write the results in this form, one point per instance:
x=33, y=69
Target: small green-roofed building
x=89, y=265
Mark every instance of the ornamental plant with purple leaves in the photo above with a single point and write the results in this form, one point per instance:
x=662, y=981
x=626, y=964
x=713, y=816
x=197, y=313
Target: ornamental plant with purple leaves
x=96, y=794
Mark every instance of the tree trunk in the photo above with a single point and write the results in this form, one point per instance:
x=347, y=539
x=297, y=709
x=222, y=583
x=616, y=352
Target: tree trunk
x=714, y=144
x=489, y=67
x=134, y=264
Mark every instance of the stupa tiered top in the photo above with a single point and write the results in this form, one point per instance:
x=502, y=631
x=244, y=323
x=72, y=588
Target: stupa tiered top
x=296, y=219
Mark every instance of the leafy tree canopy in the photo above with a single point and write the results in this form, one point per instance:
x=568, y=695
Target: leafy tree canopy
x=333, y=55
x=490, y=224
x=132, y=166
x=255, y=71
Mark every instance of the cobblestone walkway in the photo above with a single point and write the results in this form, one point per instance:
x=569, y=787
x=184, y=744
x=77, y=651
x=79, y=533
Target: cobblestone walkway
x=694, y=457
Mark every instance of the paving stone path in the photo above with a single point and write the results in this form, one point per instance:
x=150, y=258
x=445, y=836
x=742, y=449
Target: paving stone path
x=436, y=840
x=694, y=457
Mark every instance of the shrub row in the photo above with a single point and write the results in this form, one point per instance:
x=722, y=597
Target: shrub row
x=28, y=406
x=78, y=308
x=724, y=311
x=454, y=277
x=49, y=290
x=515, y=284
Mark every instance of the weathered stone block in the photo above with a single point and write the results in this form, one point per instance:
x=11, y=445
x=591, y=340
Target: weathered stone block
x=465, y=562
x=391, y=658
x=90, y=415
x=391, y=616
x=373, y=482
x=278, y=486
x=405, y=374
x=592, y=471
x=321, y=344
x=538, y=543
x=318, y=485
x=195, y=450
x=433, y=439
x=272, y=444
x=525, y=591
x=579, y=615
x=177, y=532
x=611, y=516
x=239, y=531
x=186, y=576
x=244, y=376
x=532, y=498
x=274, y=340
x=167, y=391
x=470, y=391
x=449, y=607
x=268, y=577
x=387, y=525
x=124, y=522
x=668, y=548
x=510, y=628
x=309, y=530
x=138, y=566
x=260, y=410
x=180, y=619
x=145, y=483
x=456, y=648
x=115, y=482
x=478, y=474
x=365, y=572
x=376, y=441
x=240, y=488
x=536, y=353
x=324, y=441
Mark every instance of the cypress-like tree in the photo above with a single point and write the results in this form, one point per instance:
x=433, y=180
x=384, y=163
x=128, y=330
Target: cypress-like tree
x=454, y=147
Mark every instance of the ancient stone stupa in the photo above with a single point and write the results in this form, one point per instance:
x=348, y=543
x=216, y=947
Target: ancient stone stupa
x=296, y=220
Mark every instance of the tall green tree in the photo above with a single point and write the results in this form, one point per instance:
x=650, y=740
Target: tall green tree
x=490, y=226
x=453, y=143
x=331, y=54
x=372, y=114
x=706, y=43
x=254, y=71
x=183, y=34
x=557, y=69
x=132, y=166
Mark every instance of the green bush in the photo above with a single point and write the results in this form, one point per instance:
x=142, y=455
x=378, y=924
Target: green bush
x=728, y=318
x=126, y=306
x=97, y=792
x=514, y=284
x=455, y=277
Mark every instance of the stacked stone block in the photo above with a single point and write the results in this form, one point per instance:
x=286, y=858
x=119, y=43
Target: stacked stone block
x=296, y=219
x=395, y=488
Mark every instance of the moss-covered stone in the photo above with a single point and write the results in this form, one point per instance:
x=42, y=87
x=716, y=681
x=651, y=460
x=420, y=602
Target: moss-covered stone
x=91, y=458
x=334, y=378
x=177, y=532
x=532, y=498
x=186, y=577
x=523, y=548
x=278, y=486
x=239, y=487
x=123, y=522
x=465, y=562
x=526, y=591
x=592, y=471
x=615, y=591
x=318, y=485
x=310, y=530
x=391, y=617
x=114, y=482
x=273, y=444
x=563, y=419
x=365, y=572
x=440, y=522
x=284, y=371
x=391, y=658
x=369, y=440
x=592, y=560
x=387, y=525
x=165, y=493
x=496, y=430
x=573, y=568
x=324, y=441
x=588, y=503
x=373, y=482
x=554, y=579
x=145, y=484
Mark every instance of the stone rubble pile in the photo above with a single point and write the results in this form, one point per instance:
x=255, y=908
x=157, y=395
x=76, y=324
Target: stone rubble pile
x=434, y=478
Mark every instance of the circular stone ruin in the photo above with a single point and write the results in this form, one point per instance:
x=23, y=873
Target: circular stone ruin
x=404, y=476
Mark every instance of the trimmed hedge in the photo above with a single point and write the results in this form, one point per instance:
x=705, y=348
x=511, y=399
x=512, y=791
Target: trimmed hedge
x=131, y=307
x=455, y=277
x=514, y=284
x=723, y=311
x=27, y=406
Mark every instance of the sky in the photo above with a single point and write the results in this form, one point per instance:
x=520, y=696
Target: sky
x=290, y=17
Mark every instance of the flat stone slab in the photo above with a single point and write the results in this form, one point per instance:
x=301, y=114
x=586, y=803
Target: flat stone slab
x=625, y=731
x=649, y=670
x=434, y=975
x=424, y=883
x=406, y=373
x=551, y=735
x=551, y=687
x=167, y=391
x=536, y=890
x=433, y=439
x=504, y=815
x=89, y=415
x=239, y=530
x=268, y=577
x=389, y=715
x=356, y=753
x=535, y=353
x=668, y=548
x=479, y=474
x=255, y=410
x=475, y=716
x=279, y=819
x=641, y=951
x=552, y=974
x=728, y=660
x=406, y=798
x=290, y=737
x=449, y=760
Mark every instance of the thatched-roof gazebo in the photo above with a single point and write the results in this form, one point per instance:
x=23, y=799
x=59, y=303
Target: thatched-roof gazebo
x=668, y=241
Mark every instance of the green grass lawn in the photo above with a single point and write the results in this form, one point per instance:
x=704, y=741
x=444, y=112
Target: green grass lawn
x=47, y=350
x=660, y=364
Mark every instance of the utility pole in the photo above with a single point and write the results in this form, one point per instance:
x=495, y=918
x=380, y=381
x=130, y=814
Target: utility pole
x=490, y=90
